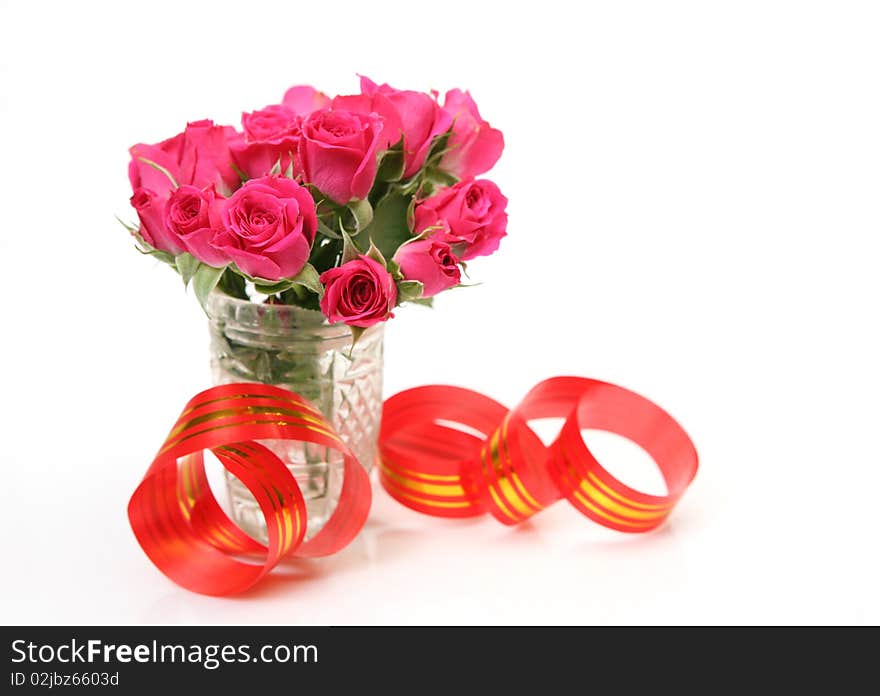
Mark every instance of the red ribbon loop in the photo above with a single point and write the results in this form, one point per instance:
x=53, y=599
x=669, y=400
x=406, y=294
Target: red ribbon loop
x=182, y=528
x=451, y=452
x=444, y=451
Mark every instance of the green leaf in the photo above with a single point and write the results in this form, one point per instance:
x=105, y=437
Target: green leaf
x=439, y=147
x=389, y=228
x=309, y=278
x=163, y=256
x=270, y=287
x=424, y=301
x=233, y=284
x=187, y=265
x=374, y=253
x=146, y=249
x=394, y=269
x=160, y=168
x=440, y=178
x=424, y=234
x=276, y=168
x=412, y=186
x=327, y=230
x=204, y=281
x=301, y=297
x=349, y=248
x=390, y=166
x=411, y=214
x=409, y=290
x=361, y=215
x=129, y=226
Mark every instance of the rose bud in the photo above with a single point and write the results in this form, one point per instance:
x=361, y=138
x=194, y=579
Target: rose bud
x=431, y=262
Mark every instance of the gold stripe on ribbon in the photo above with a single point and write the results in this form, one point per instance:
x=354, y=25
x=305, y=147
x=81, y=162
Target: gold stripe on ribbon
x=496, y=497
x=299, y=403
x=575, y=482
x=507, y=480
x=287, y=530
x=613, y=506
x=281, y=423
x=253, y=410
x=451, y=504
x=443, y=490
x=517, y=482
x=626, y=501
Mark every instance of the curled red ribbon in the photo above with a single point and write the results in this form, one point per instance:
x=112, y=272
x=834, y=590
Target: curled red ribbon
x=182, y=528
x=444, y=451
x=430, y=464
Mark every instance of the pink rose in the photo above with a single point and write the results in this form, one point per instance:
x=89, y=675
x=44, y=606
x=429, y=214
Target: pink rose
x=360, y=293
x=431, y=262
x=471, y=213
x=474, y=146
x=199, y=156
x=339, y=149
x=192, y=216
x=270, y=135
x=304, y=99
x=151, y=213
x=379, y=104
x=420, y=119
x=269, y=226
x=274, y=124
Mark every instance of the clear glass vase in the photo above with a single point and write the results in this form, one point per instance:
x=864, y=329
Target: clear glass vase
x=297, y=349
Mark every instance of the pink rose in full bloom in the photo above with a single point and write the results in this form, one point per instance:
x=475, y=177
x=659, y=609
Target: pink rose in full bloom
x=339, y=149
x=471, y=213
x=474, y=146
x=360, y=293
x=269, y=226
x=420, y=118
x=270, y=135
x=431, y=262
x=192, y=216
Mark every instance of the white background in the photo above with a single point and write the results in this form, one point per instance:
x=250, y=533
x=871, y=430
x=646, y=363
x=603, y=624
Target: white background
x=693, y=214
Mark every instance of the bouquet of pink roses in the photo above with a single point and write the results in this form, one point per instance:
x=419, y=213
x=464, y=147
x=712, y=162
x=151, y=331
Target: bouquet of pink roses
x=350, y=205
